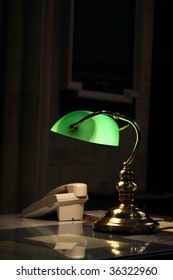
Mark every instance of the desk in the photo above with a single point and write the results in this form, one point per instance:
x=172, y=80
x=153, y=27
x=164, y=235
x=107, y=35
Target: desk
x=24, y=239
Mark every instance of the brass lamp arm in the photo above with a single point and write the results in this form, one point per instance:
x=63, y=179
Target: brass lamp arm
x=138, y=136
x=75, y=125
x=118, y=117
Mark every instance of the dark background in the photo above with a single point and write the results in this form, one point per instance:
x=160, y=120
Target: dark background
x=160, y=147
x=23, y=169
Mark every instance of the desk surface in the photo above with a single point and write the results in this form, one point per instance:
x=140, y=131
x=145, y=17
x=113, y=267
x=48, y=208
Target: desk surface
x=24, y=239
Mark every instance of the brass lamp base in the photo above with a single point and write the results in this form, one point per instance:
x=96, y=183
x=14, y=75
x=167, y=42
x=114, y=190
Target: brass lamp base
x=126, y=219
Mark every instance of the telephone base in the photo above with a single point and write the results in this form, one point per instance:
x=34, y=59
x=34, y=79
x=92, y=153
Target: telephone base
x=71, y=212
x=66, y=204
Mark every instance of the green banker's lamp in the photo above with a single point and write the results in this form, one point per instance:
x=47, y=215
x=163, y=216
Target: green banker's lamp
x=101, y=128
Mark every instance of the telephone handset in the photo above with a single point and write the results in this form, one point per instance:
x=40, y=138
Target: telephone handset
x=79, y=189
x=67, y=201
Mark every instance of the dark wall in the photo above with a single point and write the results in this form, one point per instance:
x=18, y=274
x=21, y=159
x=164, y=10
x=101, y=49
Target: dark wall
x=160, y=133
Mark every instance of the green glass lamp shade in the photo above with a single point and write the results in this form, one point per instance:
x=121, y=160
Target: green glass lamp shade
x=99, y=129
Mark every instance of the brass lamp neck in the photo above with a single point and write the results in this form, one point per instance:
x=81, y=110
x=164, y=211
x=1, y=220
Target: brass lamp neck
x=137, y=141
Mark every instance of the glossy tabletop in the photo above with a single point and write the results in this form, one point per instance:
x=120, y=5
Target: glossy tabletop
x=25, y=238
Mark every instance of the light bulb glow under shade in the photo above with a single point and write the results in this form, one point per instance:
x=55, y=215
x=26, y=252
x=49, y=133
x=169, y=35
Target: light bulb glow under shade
x=99, y=129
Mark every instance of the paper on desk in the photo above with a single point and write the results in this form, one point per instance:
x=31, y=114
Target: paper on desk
x=166, y=226
x=162, y=236
x=93, y=215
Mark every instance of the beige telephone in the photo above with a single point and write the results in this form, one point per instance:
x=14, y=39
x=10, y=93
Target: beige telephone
x=67, y=201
